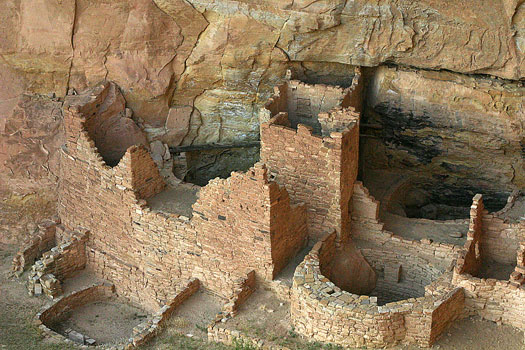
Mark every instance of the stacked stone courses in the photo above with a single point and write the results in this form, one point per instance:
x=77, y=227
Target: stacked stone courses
x=310, y=143
x=144, y=252
x=242, y=231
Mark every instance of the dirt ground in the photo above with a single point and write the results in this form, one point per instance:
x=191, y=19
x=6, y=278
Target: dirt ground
x=109, y=321
x=176, y=200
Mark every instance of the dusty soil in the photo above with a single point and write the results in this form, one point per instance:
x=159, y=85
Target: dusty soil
x=195, y=314
x=286, y=274
x=109, y=321
x=176, y=200
x=264, y=316
x=81, y=280
x=18, y=309
x=187, y=327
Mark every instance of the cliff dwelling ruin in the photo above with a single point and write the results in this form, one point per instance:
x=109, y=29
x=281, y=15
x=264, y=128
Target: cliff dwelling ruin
x=262, y=174
x=301, y=223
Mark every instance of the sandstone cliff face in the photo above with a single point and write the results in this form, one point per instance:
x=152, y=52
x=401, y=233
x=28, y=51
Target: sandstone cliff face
x=198, y=71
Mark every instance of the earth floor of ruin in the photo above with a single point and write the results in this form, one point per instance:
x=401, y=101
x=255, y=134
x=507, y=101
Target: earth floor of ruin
x=263, y=315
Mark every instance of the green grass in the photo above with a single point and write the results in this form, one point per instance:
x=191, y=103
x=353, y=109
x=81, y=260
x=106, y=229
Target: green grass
x=18, y=333
x=180, y=341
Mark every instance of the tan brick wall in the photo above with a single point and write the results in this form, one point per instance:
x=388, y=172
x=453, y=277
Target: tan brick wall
x=322, y=311
x=245, y=222
x=317, y=171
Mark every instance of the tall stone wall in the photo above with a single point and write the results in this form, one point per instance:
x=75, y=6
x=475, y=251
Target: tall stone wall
x=239, y=224
x=310, y=142
x=246, y=223
x=470, y=258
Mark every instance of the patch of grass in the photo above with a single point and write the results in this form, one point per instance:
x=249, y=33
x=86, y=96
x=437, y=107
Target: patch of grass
x=241, y=344
x=203, y=329
x=21, y=334
x=178, y=322
x=179, y=342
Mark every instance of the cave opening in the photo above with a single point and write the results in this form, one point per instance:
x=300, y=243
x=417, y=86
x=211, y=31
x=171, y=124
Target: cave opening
x=200, y=166
x=437, y=200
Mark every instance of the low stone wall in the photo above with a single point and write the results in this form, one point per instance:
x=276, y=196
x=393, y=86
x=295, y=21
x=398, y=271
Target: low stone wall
x=367, y=227
x=61, y=262
x=493, y=239
x=147, y=330
x=321, y=310
x=494, y=300
x=32, y=249
x=57, y=311
x=142, y=333
x=244, y=288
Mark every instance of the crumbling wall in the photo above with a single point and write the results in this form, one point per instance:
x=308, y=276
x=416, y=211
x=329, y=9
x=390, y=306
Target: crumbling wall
x=42, y=241
x=470, y=258
x=322, y=311
x=367, y=227
x=304, y=102
x=239, y=224
x=495, y=300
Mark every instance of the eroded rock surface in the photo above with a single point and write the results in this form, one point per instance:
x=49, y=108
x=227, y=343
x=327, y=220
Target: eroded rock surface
x=455, y=130
x=30, y=136
x=198, y=71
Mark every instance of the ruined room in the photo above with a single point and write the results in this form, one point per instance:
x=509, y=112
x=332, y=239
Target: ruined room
x=284, y=175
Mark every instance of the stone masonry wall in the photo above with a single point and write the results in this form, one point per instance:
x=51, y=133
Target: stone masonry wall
x=501, y=238
x=324, y=312
x=303, y=103
x=246, y=221
x=494, y=300
x=366, y=227
x=33, y=247
x=144, y=253
x=470, y=259
x=492, y=238
x=317, y=171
